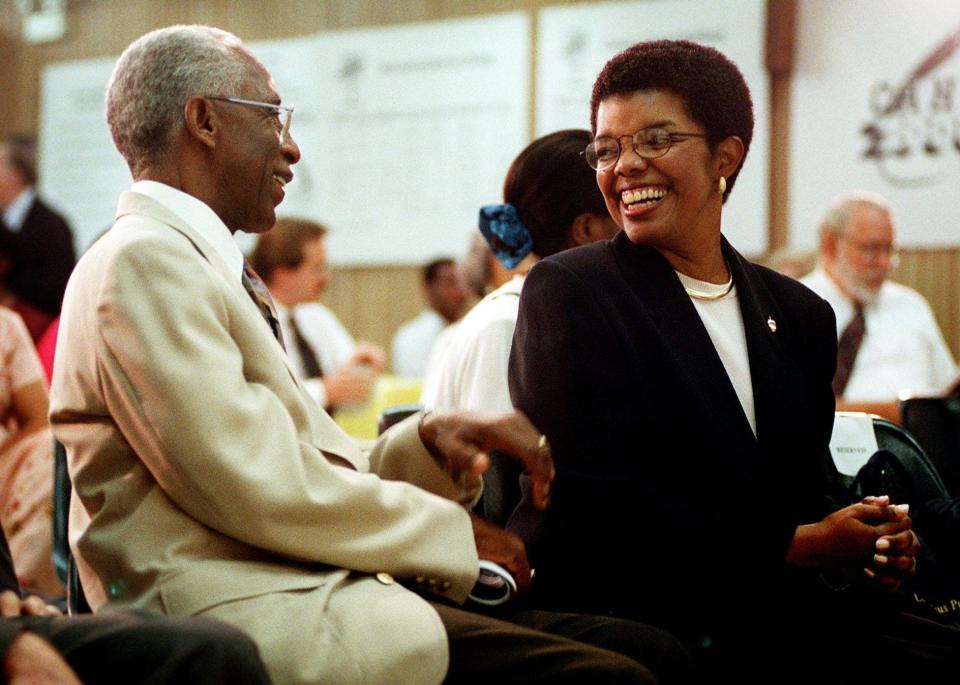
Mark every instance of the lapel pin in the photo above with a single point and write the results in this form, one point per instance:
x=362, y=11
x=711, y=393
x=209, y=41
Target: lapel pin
x=771, y=324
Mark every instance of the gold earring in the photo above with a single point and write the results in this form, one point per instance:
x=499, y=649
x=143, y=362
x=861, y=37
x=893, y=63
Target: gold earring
x=722, y=185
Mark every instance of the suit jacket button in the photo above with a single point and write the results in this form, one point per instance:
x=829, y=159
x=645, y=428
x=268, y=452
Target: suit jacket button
x=446, y=585
x=432, y=583
x=385, y=578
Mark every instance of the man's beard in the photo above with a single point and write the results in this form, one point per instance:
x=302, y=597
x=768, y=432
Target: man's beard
x=856, y=285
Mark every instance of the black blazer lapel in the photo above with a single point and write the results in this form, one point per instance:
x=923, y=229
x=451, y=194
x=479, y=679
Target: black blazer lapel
x=769, y=334
x=660, y=294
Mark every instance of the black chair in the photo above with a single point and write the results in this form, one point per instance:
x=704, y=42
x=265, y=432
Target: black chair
x=899, y=468
x=918, y=475
x=63, y=561
x=935, y=422
x=61, y=508
x=501, y=488
x=394, y=415
x=906, y=474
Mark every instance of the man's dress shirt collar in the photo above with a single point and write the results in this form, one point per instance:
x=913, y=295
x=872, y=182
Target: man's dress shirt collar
x=16, y=212
x=200, y=217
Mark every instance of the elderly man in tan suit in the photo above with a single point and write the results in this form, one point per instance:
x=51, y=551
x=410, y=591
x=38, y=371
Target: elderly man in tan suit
x=207, y=480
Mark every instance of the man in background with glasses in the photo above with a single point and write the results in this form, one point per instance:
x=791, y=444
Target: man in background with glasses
x=208, y=481
x=889, y=340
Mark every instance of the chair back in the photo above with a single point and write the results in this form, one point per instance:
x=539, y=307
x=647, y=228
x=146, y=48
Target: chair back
x=935, y=423
x=902, y=470
x=910, y=470
x=888, y=461
x=393, y=415
x=61, y=512
x=63, y=561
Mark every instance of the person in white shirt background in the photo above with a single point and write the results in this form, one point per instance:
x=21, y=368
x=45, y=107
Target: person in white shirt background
x=900, y=346
x=337, y=371
x=552, y=203
x=446, y=295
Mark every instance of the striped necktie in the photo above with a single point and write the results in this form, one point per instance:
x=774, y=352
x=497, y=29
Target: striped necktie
x=258, y=292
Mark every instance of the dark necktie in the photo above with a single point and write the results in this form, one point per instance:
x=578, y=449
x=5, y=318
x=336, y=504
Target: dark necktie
x=847, y=348
x=258, y=292
x=308, y=358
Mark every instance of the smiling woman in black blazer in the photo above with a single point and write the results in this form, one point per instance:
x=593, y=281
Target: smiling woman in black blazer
x=685, y=391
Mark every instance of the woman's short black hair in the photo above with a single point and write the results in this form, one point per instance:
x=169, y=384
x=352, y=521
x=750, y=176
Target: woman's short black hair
x=711, y=87
x=550, y=184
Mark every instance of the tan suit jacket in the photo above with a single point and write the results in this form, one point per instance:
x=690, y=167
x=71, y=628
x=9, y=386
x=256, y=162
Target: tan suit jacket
x=207, y=480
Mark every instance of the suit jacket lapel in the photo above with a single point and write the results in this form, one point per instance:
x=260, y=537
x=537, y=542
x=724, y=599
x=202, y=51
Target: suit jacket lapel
x=660, y=293
x=769, y=334
x=136, y=203
x=335, y=441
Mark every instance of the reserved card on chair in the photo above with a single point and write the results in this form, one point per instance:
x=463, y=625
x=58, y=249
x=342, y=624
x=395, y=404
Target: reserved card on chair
x=852, y=442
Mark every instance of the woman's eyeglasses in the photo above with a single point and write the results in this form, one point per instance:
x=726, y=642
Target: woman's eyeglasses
x=648, y=143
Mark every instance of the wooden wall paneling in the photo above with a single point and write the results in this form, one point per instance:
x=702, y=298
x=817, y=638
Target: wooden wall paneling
x=373, y=301
x=10, y=97
x=779, y=178
x=935, y=274
x=779, y=54
x=356, y=14
x=9, y=18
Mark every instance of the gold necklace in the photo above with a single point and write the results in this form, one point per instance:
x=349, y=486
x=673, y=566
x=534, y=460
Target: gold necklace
x=709, y=296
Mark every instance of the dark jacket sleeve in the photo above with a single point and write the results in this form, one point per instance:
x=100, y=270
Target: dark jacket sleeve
x=9, y=629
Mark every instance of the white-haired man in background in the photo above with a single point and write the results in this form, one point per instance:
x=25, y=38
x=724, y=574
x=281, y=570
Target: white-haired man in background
x=889, y=340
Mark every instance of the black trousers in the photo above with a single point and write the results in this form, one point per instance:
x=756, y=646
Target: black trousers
x=529, y=646
x=140, y=647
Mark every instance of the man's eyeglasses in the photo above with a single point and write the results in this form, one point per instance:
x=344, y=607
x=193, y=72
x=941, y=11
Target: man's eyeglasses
x=282, y=128
x=648, y=143
x=874, y=251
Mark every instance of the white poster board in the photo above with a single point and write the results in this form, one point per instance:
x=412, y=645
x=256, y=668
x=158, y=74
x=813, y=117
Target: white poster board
x=875, y=106
x=574, y=42
x=81, y=172
x=416, y=127
x=405, y=131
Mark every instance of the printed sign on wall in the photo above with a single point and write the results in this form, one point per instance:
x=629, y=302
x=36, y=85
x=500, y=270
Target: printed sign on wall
x=875, y=106
x=405, y=131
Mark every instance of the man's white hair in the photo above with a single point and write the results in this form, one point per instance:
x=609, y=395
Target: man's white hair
x=154, y=78
x=838, y=216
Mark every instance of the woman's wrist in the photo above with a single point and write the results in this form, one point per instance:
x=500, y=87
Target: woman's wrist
x=804, y=548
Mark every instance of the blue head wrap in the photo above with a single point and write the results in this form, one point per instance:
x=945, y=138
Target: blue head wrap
x=505, y=233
